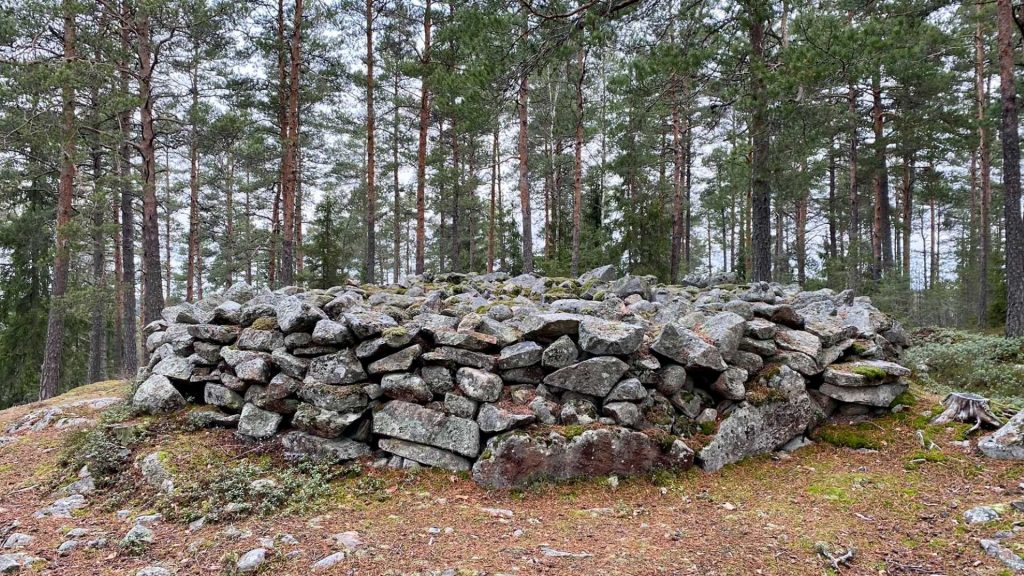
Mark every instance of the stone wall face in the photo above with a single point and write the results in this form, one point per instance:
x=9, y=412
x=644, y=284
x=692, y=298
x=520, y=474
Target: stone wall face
x=524, y=379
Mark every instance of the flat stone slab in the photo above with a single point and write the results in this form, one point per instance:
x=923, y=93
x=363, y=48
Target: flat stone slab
x=415, y=423
x=427, y=455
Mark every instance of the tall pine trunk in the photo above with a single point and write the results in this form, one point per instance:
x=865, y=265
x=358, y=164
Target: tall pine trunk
x=984, y=162
x=853, y=266
x=288, y=190
x=524, y=182
x=371, y=185
x=49, y=381
x=577, y=177
x=490, y=220
x=881, y=238
x=129, y=349
x=1011, y=173
x=761, y=193
x=193, y=186
x=421, y=155
x=153, y=301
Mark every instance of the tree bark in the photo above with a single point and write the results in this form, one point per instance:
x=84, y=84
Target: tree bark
x=853, y=266
x=421, y=156
x=761, y=221
x=907, y=207
x=49, y=381
x=494, y=183
x=288, y=189
x=153, y=291
x=397, y=225
x=984, y=162
x=193, y=186
x=129, y=350
x=577, y=177
x=371, y=185
x=677, y=189
x=881, y=239
x=524, y=183
x=98, y=313
x=1011, y=173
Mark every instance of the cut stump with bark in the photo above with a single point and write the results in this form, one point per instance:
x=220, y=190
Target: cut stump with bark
x=967, y=407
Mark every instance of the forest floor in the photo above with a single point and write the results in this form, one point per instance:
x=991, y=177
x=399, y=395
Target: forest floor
x=865, y=485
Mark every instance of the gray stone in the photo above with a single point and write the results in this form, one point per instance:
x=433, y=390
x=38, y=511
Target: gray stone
x=17, y=540
x=426, y=455
x=254, y=370
x=605, y=273
x=398, y=362
x=629, y=390
x=881, y=395
x=350, y=398
x=503, y=334
x=578, y=411
x=624, y=413
x=516, y=459
x=323, y=423
x=329, y=561
x=761, y=329
x=240, y=292
x=408, y=387
x=222, y=397
x=764, y=348
x=1007, y=443
x=174, y=367
x=757, y=429
x=415, y=423
x=544, y=410
x=157, y=396
x=730, y=384
x=528, y=375
x=725, y=330
x=137, y=534
x=154, y=571
x=560, y=353
x=327, y=332
x=14, y=562
x=747, y=360
x=798, y=341
x=550, y=327
x=300, y=444
x=493, y=419
x=214, y=333
x=603, y=337
x=798, y=361
x=262, y=340
x=340, y=368
x=520, y=355
x=368, y=324
x=252, y=560
x=438, y=378
x=671, y=379
x=479, y=385
x=212, y=419
x=629, y=285
x=460, y=357
x=595, y=377
x=258, y=423
x=996, y=550
x=981, y=515
x=687, y=348
x=296, y=315
x=288, y=364
x=460, y=406
x=466, y=340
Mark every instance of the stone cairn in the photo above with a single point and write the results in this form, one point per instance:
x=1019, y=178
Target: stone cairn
x=525, y=378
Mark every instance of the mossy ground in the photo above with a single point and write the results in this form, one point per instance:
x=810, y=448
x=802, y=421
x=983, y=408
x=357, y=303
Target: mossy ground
x=900, y=504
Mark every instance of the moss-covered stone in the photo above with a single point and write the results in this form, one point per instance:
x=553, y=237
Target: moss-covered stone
x=265, y=323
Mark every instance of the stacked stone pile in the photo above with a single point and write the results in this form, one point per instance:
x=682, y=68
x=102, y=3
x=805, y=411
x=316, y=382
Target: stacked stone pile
x=525, y=378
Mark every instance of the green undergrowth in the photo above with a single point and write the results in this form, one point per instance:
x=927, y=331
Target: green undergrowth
x=859, y=436
x=946, y=360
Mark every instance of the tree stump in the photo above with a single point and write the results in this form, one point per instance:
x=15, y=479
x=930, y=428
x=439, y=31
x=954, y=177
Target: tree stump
x=967, y=407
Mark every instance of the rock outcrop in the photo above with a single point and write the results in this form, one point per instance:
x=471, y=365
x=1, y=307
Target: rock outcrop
x=526, y=378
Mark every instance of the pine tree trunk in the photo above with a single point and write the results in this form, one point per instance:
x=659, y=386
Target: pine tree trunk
x=168, y=204
x=193, y=186
x=275, y=234
x=907, y=207
x=984, y=161
x=456, y=230
x=934, y=252
x=371, y=185
x=154, y=298
x=229, y=217
x=129, y=350
x=397, y=224
x=853, y=266
x=677, y=190
x=290, y=175
x=524, y=183
x=1011, y=173
x=761, y=235
x=881, y=239
x=98, y=316
x=577, y=179
x=49, y=381
x=494, y=183
x=831, y=248
x=421, y=156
